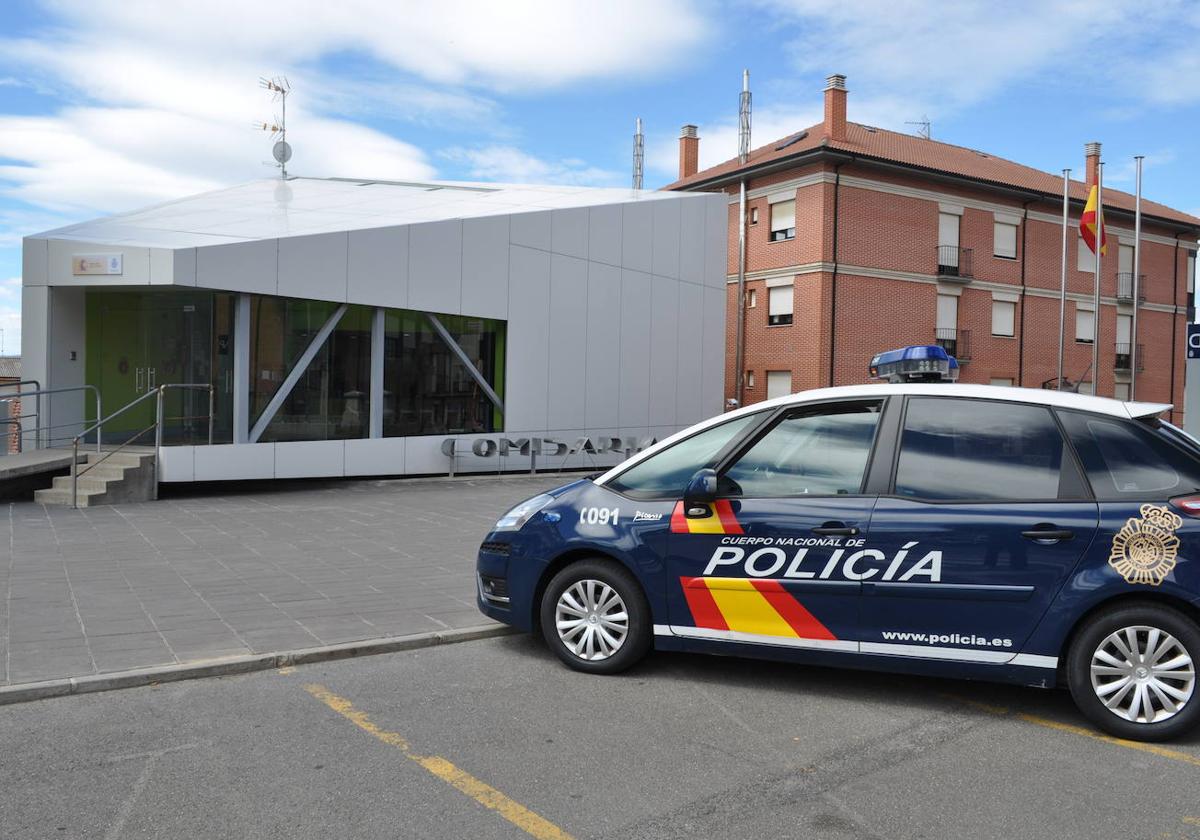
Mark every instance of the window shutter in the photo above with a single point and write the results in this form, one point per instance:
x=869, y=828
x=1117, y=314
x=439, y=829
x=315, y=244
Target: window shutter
x=779, y=383
x=1083, y=325
x=1086, y=260
x=1005, y=240
x=947, y=312
x=1003, y=317
x=1125, y=259
x=1123, y=329
x=948, y=229
x=780, y=302
x=783, y=215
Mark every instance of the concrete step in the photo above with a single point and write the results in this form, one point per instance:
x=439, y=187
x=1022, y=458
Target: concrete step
x=126, y=476
x=86, y=482
x=55, y=496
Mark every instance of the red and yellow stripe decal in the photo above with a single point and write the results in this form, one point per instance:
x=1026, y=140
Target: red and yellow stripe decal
x=720, y=521
x=749, y=605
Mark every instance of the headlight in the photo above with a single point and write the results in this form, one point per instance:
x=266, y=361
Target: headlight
x=516, y=518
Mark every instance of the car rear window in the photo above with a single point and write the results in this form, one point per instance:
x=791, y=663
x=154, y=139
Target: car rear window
x=978, y=450
x=1126, y=460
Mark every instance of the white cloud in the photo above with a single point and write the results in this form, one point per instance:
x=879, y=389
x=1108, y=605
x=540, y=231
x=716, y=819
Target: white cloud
x=512, y=165
x=518, y=44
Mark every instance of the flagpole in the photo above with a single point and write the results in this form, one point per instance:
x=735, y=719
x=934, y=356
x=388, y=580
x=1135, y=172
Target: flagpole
x=1096, y=277
x=1062, y=295
x=1137, y=259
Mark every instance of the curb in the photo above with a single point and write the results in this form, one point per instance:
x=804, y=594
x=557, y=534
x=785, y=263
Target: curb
x=243, y=664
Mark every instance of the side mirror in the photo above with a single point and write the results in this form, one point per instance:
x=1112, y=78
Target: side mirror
x=701, y=491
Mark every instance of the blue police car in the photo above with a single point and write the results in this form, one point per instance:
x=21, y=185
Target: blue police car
x=1037, y=537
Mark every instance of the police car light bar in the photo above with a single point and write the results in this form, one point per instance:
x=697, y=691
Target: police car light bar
x=919, y=363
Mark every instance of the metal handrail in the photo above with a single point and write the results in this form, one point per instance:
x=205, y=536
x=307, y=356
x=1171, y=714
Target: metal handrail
x=158, y=394
x=39, y=392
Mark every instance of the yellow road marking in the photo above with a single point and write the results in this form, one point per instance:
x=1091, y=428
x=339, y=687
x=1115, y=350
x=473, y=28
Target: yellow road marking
x=1153, y=749
x=285, y=670
x=483, y=793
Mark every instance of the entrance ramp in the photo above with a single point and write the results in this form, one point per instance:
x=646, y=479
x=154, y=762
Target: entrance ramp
x=36, y=462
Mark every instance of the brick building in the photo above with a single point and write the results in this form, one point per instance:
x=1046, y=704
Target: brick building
x=860, y=240
x=10, y=374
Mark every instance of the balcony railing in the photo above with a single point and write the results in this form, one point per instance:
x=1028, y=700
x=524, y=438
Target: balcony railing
x=1126, y=356
x=955, y=263
x=1125, y=287
x=955, y=342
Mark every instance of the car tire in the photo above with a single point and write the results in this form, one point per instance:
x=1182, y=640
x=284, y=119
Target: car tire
x=589, y=605
x=1121, y=653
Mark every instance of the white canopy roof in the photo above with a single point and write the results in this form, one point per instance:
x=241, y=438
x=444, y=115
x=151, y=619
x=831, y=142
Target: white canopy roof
x=274, y=208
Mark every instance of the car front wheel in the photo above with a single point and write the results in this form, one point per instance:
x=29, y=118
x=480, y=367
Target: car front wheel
x=595, y=617
x=1132, y=671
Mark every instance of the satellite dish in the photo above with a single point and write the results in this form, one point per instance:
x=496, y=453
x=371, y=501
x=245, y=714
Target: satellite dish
x=282, y=151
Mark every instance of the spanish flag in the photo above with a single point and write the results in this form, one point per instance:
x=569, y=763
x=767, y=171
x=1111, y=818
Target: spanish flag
x=1088, y=224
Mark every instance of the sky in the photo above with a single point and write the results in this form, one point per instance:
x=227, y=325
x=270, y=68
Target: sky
x=109, y=105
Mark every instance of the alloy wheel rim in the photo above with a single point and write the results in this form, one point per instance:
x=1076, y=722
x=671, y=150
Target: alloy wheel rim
x=592, y=620
x=1143, y=674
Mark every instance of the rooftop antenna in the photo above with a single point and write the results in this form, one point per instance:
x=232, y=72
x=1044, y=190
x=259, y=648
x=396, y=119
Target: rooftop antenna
x=925, y=126
x=744, y=119
x=639, y=154
x=281, y=151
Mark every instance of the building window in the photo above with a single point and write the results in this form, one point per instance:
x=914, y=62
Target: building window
x=783, y=220
x=1005, y=240
x=1125, y=260
x=779, y=306
x=752, y=299
x=1003, y=317
x=1084, y=325
x=779, y=383
x=1086, y=260
x=753, y=215
x=1121, y=391
x=1191, y=272
x=947, y=230
x=1001, y=380
x=749, y=379
x=427, y=389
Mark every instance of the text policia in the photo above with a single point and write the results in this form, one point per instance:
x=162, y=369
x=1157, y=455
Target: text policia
x=850, y=561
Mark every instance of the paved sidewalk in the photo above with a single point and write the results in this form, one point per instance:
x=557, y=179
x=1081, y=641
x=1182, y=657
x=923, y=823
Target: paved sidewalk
x=112, y=588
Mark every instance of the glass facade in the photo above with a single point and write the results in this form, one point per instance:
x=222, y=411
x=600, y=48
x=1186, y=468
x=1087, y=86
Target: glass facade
x=137, y=340
x=427, y=389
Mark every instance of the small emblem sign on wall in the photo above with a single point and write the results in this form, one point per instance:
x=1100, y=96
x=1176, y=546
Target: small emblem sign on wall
x=96, y=264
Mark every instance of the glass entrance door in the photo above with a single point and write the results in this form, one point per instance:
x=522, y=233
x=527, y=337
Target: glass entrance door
x=138, y=341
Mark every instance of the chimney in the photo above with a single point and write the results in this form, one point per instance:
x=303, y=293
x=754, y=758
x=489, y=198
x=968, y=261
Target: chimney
x=1092, y=152
x=689, y=151
x=835, y=107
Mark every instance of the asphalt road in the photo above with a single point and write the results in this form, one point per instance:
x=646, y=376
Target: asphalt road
x=496, y=739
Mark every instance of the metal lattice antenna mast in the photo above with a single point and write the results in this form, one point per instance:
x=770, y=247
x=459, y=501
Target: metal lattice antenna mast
x=926, y=127
x=639, y=154
x=744, y=119
x=281, y=151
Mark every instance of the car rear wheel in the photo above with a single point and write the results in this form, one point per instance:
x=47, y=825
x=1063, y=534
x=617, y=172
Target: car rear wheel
x=595, y=617
x=1132, y=671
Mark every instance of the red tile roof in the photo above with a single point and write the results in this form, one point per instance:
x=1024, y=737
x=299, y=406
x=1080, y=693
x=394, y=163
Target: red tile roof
x=908, y=150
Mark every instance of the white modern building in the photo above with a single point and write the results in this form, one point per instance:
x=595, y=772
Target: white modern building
x=358, y=327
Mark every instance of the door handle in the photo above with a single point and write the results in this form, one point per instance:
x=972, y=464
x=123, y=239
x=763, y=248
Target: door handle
x=1047, y=532
x=137, y=381
x=151, y=378
x=835, y=529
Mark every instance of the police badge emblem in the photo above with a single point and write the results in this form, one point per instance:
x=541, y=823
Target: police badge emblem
x=1144, y=550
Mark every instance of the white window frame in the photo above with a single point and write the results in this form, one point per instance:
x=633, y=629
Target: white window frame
x=749, y=379
x=1121, y=391
x=1085, y=260
x=1084, y=316
x=751, y=298
x=780, y=303
x=1002, y=231
x=1004, y=311
x=775, y=381
x=783, y=228
x=1004, y=381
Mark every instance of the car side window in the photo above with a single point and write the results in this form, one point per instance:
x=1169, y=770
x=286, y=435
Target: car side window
x=812, y=451
x=978, y=450
x=1126, y=460
x=666, y=473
